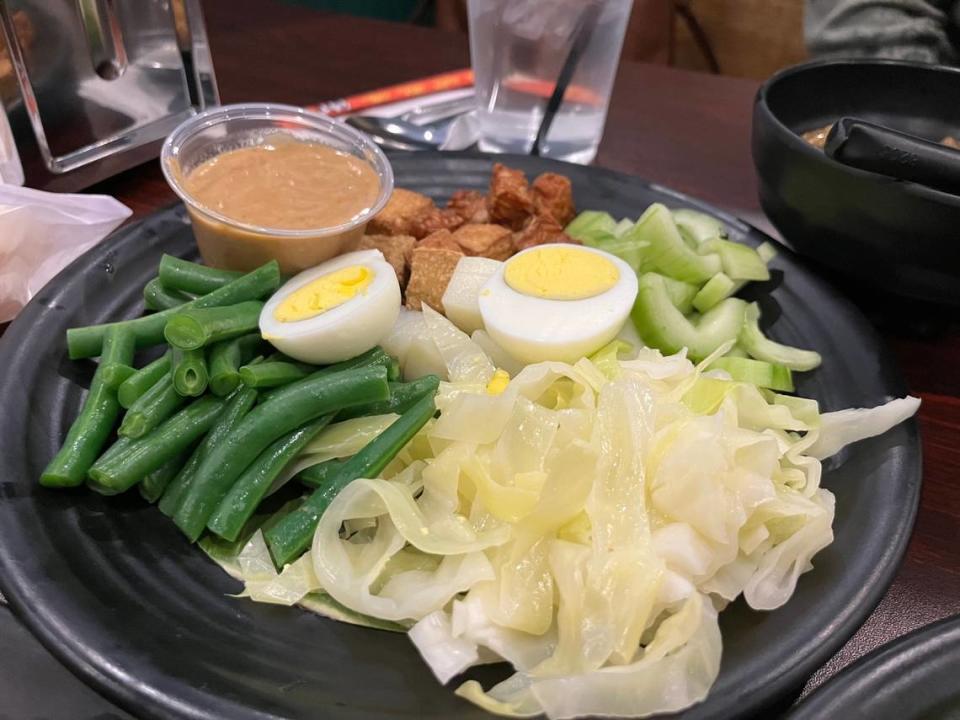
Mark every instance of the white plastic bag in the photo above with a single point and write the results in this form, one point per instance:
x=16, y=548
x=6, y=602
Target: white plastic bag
x=41, y=232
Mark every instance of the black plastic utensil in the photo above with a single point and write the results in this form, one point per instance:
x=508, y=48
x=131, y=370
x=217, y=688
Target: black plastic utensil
x=868, y=146
x=581, y=38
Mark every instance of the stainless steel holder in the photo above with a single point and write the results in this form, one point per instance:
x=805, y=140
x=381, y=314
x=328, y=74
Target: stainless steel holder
x=91, y=87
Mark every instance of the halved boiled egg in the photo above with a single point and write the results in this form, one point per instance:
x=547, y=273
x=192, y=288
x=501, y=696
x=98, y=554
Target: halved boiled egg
x=557, y=302
x=334, y=311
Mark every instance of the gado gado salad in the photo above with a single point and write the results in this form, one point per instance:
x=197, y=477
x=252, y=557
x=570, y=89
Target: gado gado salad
x=515, y=433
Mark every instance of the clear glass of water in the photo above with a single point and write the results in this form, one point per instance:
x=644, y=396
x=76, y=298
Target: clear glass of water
x=518, y=49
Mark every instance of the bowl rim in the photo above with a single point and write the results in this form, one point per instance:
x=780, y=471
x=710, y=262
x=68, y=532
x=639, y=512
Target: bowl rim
x=798, y=144
x=277, y=112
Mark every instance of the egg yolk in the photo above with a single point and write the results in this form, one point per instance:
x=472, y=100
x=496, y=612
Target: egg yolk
x=560, y=272
x=324, y=293
x=498, y=383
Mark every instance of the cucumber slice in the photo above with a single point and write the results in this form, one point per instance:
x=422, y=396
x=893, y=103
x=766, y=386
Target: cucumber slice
x=761, y=347
x=698, y=226
x=718, y=288
x=681, y=294
x=663, y=326
x=740, y=262
x=590, y=225
x=756, y=372
x=668, y=253
x=623, y=227
x=767, y=252
x=632, y=252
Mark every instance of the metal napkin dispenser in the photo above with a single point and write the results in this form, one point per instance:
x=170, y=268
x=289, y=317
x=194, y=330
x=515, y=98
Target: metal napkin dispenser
x=91, y=87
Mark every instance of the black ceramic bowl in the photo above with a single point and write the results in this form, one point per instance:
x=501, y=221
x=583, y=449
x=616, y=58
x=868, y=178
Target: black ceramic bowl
x=895, y=235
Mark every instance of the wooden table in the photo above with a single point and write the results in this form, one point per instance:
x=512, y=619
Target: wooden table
x=685, y=130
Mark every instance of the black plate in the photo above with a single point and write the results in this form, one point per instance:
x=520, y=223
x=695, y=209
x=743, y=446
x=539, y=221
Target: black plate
x=911, y=678
x=113, y=589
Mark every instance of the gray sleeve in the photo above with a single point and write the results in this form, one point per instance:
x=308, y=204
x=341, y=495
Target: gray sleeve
x=901, y=29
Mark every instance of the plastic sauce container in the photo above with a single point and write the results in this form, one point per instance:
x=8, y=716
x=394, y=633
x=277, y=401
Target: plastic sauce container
x=227, y=242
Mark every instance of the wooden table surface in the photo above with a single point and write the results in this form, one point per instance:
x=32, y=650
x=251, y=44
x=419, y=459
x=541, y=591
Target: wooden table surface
x=686, y=130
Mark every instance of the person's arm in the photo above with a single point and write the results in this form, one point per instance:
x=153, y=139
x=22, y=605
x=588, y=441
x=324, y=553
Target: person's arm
x=902, y=29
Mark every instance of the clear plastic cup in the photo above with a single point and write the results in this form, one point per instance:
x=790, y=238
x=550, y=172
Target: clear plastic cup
x=518, y=48
x=228, y=243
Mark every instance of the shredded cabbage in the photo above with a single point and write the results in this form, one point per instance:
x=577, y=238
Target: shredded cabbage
x=584, y=525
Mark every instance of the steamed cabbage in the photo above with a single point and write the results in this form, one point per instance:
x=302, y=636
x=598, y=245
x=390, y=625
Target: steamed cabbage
x=586, y=525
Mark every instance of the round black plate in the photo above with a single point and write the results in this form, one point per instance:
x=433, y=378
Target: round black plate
x=910, y=678
x=113, y=589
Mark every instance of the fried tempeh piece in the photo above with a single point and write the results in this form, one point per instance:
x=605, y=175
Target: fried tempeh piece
x=539, y=230
x=470, y=205
x=396, y=250
x=398, y=214
x=434, y=219
x=485, y=240
x=510, y=201
x=553, y=195
x=430, y=273
x=440, y=239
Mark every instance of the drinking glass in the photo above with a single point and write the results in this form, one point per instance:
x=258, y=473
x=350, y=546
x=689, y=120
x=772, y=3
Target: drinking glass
x=518, y=49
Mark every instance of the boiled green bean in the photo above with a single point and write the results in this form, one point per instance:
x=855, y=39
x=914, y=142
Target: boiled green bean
x=197, y=327
x=225, y=360
x=142, y=380
x=289, y=538
x=157, y=297
x=152, y=408
x=237, y=406
x=84, y=342
x=302, y=401
x=243, y=498
x=149, y=453
x=185, y=276
x=189, y=372
x=93, y=425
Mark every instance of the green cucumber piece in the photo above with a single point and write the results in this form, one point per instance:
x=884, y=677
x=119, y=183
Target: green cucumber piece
x=681, y=294
x=766, y=251
x=761, y=347
x=663, y=326
x=632, y=252
x=667, y=252
x=623, y=227
x=740, y=262
x=756, y=372
x=718, y=288
x=697, y=226
x=589, y=225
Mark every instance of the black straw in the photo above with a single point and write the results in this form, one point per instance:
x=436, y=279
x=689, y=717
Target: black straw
x=581, y=38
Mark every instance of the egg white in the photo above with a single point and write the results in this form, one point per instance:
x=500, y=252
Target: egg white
x=344, y=331
x=534, y=329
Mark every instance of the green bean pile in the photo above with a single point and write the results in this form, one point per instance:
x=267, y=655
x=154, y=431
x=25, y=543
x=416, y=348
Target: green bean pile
x=207, y=427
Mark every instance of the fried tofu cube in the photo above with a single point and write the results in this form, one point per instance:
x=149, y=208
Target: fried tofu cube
x=485, y=240
x=440, y=239
x=553, y=195
x=509, y=201
x=540, y=230
x=470, y=205
x=434, y=219
x=396, y=250
x=430, y=273
x=398, y=214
